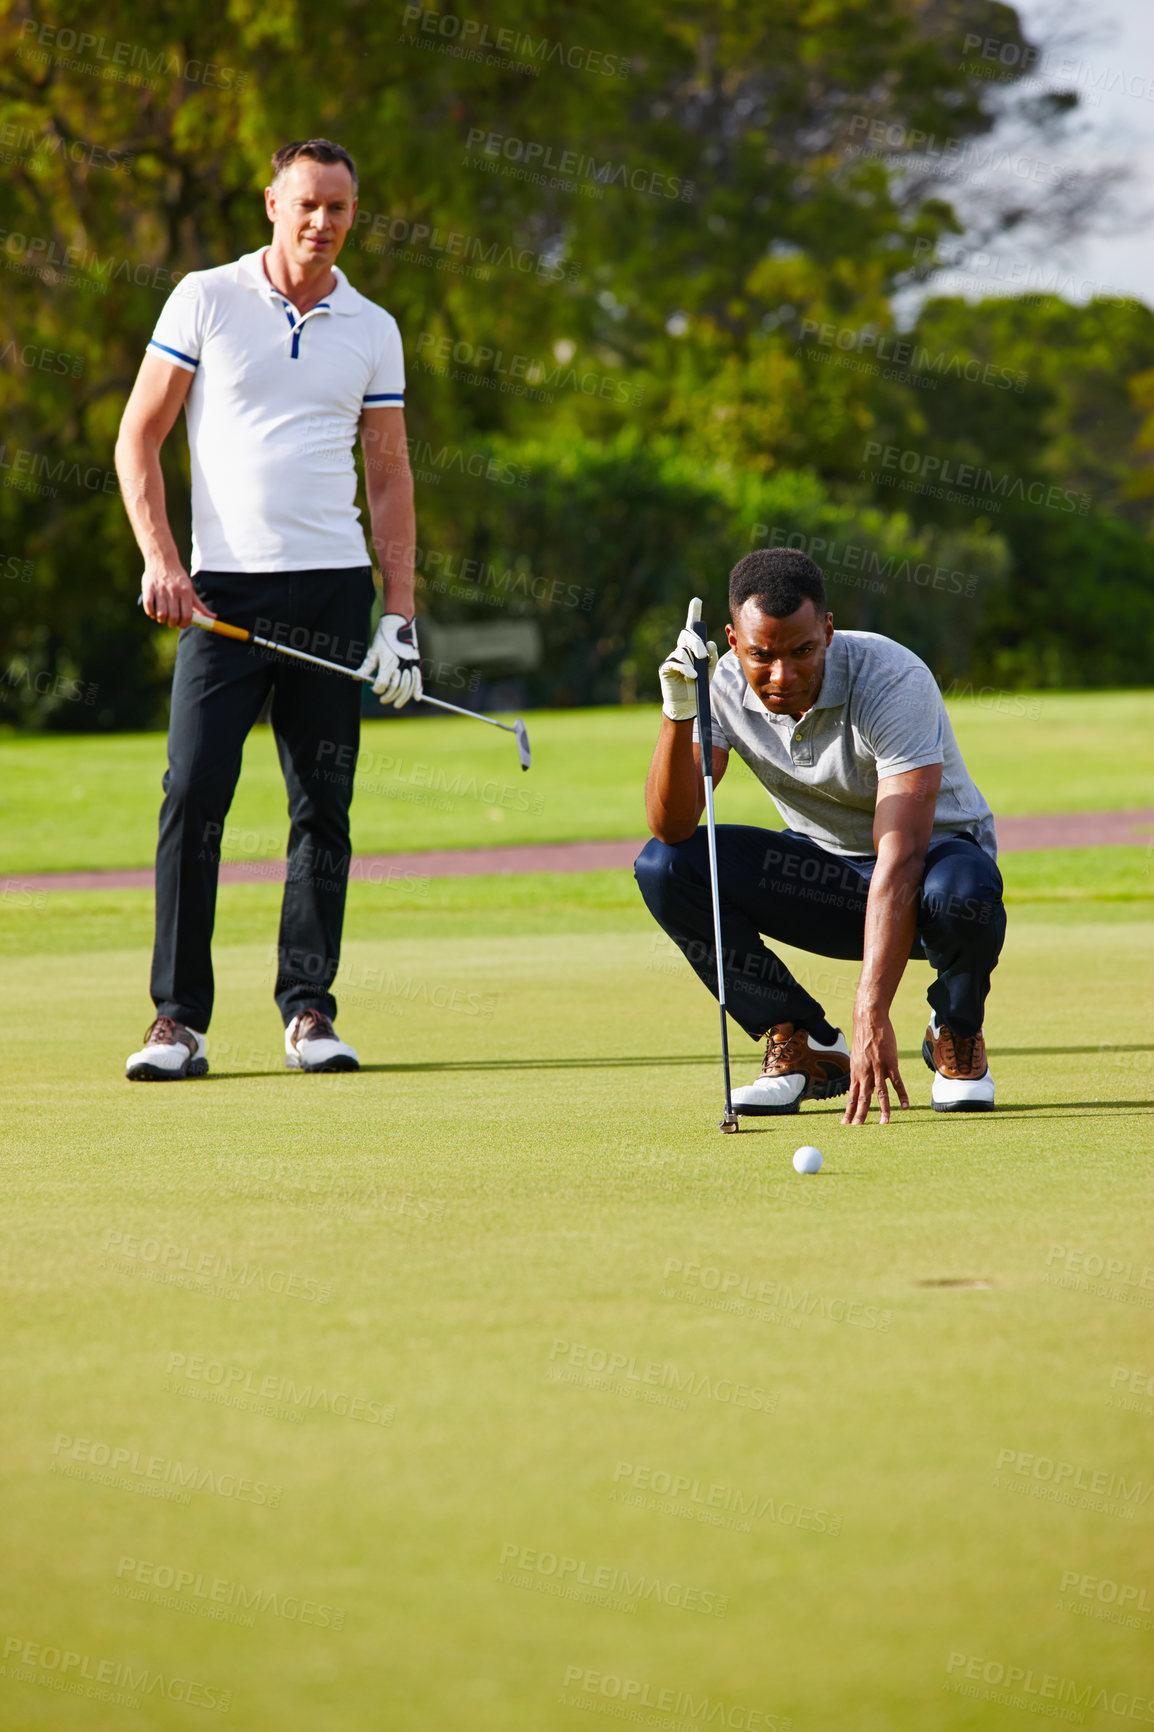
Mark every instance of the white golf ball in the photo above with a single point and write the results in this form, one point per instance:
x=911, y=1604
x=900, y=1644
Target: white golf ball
x=807, y=1159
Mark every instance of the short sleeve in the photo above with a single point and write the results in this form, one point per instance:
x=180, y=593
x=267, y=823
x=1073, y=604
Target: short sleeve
x=904, y=727
x=179, y=331
x=386, y=388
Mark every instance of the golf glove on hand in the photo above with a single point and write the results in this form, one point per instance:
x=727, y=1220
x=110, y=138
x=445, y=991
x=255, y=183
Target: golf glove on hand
x=677, y=675
x=395, y=660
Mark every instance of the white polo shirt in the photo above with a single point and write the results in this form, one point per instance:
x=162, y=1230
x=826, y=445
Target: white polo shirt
x=273, y=412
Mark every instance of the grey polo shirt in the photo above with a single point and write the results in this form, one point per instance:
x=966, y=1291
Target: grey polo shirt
x=879, y=713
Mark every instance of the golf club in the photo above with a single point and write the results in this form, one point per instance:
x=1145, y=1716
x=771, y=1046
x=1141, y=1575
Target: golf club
x=730, y=1122
x=219, y=626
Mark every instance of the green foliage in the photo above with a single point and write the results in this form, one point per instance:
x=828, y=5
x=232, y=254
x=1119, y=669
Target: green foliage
x=646, y=527
x=653, y=300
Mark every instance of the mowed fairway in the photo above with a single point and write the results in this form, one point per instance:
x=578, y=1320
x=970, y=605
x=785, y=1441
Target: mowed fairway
x=492, y=1387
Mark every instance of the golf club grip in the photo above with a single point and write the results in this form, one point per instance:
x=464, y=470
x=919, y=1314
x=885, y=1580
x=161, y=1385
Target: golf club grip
x=220, y=627
x=704, y=719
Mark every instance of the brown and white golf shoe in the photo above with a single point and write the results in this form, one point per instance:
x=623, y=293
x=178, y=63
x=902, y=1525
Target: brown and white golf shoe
x=797, y=1068
x=170, y=1053
x=963, y=1082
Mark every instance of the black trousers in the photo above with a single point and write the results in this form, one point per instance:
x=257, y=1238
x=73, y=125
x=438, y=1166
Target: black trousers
x=219, y=689
x=784, y=885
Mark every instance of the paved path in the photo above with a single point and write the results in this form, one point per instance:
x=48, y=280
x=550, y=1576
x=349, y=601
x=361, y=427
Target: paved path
x=1064, y=830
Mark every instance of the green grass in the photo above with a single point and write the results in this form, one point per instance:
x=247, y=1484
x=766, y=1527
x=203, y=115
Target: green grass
x=520, y=1172
x=61, y=923
x=77, y=803
x=504, y=1193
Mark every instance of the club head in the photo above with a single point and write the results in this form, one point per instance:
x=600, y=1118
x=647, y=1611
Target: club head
x=523, y=751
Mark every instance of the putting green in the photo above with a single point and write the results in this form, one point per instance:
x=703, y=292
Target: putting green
x=492, y=1388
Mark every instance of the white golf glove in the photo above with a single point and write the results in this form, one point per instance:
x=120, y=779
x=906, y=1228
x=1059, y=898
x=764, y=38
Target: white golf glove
x=677, y=674
x=395, y=660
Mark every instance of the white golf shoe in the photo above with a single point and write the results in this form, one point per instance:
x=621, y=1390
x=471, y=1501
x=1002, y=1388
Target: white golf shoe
x=170, y=1053
x=311, y=1043
x=797, y=1068
x=963, y=1082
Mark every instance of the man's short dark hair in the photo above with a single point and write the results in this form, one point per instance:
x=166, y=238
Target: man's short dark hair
x=313, y=150
x=779, y=580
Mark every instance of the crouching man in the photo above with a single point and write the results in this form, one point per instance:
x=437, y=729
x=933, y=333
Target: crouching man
x=889, y=851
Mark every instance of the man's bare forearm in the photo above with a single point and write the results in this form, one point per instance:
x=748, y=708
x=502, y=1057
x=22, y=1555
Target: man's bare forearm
x=142, y=488
x=674, y=789
x=393, y=522
x=890, y=924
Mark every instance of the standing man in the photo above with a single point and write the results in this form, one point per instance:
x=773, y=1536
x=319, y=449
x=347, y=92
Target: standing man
x=277, y=361
x=890, y=851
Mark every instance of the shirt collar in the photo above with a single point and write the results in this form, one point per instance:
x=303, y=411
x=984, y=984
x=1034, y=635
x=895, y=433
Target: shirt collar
x=251, y=275
x=834, y=682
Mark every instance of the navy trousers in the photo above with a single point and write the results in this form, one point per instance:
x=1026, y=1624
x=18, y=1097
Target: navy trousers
x=789, y=888
x=218, y=691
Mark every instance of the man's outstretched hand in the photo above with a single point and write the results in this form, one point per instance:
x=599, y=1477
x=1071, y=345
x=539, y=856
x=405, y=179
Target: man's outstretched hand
x=873, y=1066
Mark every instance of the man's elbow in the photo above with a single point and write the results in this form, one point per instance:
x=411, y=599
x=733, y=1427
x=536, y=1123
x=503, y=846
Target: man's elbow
x=668, y=829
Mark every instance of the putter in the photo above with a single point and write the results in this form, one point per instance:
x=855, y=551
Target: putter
x=517, y=729
x=730, y=1122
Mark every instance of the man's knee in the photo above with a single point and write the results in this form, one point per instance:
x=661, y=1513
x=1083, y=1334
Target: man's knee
x=658, y=868
x=963, y=891
x=205, y=794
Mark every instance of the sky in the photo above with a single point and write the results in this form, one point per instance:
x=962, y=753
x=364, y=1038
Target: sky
x=1104, y=49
